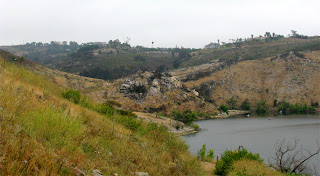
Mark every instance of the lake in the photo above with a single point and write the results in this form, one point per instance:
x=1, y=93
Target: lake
x=257, y=134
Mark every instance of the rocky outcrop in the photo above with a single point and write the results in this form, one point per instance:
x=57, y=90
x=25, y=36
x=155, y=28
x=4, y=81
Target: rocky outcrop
x=143, y=84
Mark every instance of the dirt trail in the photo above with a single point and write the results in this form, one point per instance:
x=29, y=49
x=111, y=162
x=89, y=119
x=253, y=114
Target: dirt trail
x=170, y=124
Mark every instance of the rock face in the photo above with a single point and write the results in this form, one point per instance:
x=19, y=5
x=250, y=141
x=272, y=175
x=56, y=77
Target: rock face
x=157, y=92
x=143, y=84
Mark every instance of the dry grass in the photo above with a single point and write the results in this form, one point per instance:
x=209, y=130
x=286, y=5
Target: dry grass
x=292, y=80
x=43, y=134
x=253, y=168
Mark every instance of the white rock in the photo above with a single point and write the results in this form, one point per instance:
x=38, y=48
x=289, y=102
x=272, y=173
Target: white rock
x=155, y=83
x=141, y=174
x=96, y=172
x=154, y=90
x=195, y=92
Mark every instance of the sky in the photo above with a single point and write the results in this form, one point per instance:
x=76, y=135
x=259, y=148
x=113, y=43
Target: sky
x=167, y=23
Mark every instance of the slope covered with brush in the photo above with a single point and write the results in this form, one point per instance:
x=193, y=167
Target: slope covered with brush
x=42, y=133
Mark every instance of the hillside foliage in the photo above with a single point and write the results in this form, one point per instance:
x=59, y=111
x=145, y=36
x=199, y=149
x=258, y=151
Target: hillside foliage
x=42, y=133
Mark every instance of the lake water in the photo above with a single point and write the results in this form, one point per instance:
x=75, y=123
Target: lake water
x=257, y=134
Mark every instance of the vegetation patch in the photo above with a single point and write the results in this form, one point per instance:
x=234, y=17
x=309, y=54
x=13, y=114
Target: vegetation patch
x=72, y=95
x=225, y=164
x=206, y=155
x=262, y=107
x=186, y=117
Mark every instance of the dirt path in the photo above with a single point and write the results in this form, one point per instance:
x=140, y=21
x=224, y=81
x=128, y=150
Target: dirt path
x=173, y=126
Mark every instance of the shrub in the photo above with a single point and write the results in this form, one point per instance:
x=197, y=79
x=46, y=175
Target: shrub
x=225, y=164
x=187, y=117
x=176, y=114
x=261, y=107
x=224, y=108
x=283, y=106
x=311, y=109
x=113, y=103
x=245, y=105
x=315, y=104
x=203, y=153
x=105, y=109
x=126, y=113
x=196, y=127
x=275, y=103
x=129, y=122
x=232, y=102
x=72, y=95
x=298, y=108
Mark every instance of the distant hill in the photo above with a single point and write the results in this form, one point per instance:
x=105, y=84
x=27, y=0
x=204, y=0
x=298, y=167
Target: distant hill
x=108, y=62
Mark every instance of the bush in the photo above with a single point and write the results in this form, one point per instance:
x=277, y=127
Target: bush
x=275, y=103
x=105, y=109
x=225, y=164
x=224, y=108
x=72, y=95
x=283, y=106
x=113, y=103
x=315, y=104
x=203, y=153
x=261, y=107
x=187, y=117
x=311, y=109
x=245, y=105
x=232, y=102
x=298, y=108
x=196, y=127
x=129, y=122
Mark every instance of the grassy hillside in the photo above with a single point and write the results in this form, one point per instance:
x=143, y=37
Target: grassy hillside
x=41, y=133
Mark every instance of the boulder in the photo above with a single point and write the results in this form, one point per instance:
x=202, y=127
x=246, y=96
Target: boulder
x=194, y=92
x=154, y=90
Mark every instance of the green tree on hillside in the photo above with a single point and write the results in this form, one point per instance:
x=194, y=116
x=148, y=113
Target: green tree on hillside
x=232, y=103
x=245, y=105
x=261, y=107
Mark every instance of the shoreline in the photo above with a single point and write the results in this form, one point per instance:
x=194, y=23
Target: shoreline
x=230, y=113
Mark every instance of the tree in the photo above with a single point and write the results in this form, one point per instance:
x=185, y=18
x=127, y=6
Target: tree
x=289, y=157
x=262, y=107
x=232, y=102
x=224, y=108
x=245, y=105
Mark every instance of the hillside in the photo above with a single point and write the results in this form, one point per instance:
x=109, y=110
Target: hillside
x=151, y=92
x=251, y=50
x=290, y=77
x=109, y=61
x=42, y=133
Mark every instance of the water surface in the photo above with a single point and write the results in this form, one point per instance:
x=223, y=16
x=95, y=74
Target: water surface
x=257, y=134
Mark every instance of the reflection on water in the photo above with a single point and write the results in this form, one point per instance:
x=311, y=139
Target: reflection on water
x=257, y=134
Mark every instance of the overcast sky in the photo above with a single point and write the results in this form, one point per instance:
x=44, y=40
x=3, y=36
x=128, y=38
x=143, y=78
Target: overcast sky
x=187, y=23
